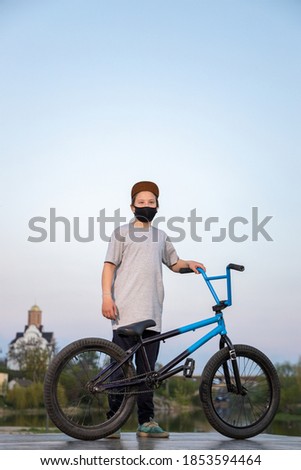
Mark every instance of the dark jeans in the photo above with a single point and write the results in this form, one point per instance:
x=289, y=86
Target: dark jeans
x=145, y=403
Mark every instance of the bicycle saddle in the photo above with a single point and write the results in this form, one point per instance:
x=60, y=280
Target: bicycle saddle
x=135, y=329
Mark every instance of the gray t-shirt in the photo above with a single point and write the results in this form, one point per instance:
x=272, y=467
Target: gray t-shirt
x=138, y=284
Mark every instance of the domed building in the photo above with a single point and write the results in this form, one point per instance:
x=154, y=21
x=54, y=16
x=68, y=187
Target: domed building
x=33, y=335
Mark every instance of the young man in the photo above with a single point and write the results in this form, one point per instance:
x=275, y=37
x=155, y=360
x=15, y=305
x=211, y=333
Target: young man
x=132, y=286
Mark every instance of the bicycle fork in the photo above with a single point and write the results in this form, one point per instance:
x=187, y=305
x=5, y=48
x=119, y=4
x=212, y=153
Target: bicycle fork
x=236, y=388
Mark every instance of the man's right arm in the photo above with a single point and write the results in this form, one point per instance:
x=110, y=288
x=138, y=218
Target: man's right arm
x=109, y=309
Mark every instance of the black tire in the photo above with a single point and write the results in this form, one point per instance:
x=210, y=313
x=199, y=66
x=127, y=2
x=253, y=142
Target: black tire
x=240, y=416
x=71, y=405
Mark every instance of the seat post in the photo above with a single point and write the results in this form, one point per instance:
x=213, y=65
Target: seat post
x=144, y=355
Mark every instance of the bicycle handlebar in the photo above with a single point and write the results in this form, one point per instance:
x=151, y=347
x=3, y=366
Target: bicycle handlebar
x=236, y=267
x=185, y=270
x=224, y=303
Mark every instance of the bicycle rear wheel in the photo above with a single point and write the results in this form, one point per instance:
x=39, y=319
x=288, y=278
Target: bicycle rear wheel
x=246, y=414
x=73, y=405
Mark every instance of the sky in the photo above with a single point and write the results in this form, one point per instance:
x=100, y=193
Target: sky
x=202, y=97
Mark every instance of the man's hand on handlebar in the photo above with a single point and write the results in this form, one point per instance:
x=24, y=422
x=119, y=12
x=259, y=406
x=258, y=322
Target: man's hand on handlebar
x=187, y=265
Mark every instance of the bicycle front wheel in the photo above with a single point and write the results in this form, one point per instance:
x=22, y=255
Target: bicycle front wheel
x=243, y=414
x=74, y=405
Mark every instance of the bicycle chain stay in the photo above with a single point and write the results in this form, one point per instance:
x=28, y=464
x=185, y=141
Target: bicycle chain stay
x=130, y=392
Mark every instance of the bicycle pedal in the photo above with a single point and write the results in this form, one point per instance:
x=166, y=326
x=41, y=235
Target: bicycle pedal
x=189, y=367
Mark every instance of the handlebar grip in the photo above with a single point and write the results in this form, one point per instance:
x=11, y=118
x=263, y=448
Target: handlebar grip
x=185, y=270
x=236, y=267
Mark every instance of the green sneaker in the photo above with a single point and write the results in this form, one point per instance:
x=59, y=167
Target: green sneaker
x=151, y=429
x=115, y=435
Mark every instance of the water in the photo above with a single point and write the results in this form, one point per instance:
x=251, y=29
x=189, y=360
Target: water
x=194, y=421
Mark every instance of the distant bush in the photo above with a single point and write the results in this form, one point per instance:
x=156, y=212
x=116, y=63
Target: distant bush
x=22, y=398
x=290, y=379
x=182, y=390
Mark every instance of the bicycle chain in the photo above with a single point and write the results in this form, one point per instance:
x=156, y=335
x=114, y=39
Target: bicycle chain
x=132, y=392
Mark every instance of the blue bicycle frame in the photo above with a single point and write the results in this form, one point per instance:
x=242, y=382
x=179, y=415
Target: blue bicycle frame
x=169, y=369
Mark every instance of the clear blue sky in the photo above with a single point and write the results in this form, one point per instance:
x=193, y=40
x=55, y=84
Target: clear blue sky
x=202, y=97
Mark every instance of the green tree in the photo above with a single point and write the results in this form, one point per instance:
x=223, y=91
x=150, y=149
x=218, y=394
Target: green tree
x=298, y=376
x=32, y=359
x=183, y=391
x=290, y=380
x=16, y=398
x=22, y=398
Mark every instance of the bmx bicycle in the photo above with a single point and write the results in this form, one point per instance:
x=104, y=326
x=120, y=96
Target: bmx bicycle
x=239, y=388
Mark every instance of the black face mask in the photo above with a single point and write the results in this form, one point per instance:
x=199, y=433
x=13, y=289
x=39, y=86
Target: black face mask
x=145, y=214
